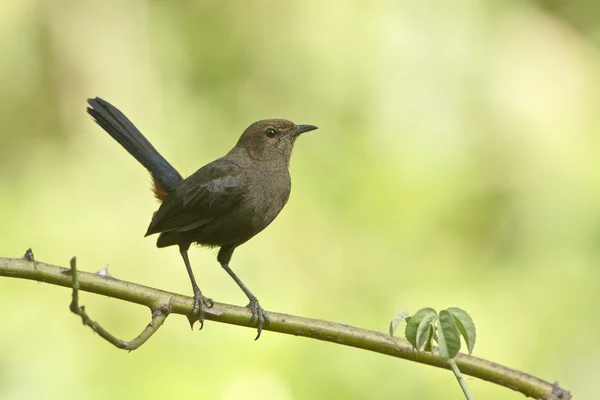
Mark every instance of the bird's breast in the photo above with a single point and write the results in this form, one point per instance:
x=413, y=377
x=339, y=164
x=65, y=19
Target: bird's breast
x=266, y=195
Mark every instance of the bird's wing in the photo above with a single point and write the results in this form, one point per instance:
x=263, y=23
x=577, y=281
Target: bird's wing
x=212, y=190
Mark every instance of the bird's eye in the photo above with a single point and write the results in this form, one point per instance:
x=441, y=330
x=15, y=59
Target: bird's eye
x=271, y=132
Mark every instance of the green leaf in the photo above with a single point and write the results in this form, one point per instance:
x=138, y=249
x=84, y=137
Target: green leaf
x=398, y=319
x=448, y=336
x=413, y=324
x=428, y=345
x=465, y=325
x=424, y=330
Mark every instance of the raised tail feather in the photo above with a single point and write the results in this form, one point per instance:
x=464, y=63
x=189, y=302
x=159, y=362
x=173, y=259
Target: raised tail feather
x=166, y=178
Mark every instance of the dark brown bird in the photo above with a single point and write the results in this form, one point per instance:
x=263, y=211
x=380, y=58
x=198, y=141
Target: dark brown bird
x=224, y=203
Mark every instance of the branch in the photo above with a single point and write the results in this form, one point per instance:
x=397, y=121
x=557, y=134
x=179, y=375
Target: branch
x=28, y=268
x=159, y=314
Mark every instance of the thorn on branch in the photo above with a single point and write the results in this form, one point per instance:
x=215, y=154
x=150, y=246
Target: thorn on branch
x=104, y=272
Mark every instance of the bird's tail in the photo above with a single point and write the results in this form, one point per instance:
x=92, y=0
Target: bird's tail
x=166, y=178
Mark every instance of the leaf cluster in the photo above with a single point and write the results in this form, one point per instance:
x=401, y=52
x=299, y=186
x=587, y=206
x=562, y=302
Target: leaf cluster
x=445, y=328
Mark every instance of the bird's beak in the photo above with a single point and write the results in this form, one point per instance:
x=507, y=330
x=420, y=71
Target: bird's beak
x=299, y=129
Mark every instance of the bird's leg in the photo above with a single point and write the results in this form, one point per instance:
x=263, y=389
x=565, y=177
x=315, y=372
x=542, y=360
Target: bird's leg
x=199, y=300
x=258, y=313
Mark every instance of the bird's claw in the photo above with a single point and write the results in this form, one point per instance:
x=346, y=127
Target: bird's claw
x=259, y=315
x=200, y=302
x=208, y=302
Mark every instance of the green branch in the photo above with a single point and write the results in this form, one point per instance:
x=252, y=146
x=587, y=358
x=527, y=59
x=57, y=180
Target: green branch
x=156, y=299
x=461, y=380
x=159, y=315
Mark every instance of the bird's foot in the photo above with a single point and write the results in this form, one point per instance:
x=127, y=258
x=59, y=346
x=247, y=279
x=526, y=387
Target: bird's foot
x=200, y=303
x=259, y=315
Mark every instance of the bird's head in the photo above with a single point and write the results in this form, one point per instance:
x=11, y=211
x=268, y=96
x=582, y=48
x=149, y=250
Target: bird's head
x=272, y=139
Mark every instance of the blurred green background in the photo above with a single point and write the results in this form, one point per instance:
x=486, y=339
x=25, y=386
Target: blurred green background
x=457, y=164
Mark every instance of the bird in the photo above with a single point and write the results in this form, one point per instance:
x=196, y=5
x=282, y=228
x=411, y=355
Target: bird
x=224, y=203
